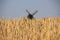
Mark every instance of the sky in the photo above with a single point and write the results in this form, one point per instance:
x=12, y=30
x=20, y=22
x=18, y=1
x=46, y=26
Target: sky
x=17, y=8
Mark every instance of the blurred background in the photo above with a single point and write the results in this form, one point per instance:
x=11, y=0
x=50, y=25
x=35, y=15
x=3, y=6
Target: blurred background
x=17, y=8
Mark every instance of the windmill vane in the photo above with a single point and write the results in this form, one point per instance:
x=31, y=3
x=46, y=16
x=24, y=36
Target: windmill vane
x=31, y=16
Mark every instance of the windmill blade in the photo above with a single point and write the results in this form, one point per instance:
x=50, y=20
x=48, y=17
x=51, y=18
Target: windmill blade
x=34, y=12
x=27, y=11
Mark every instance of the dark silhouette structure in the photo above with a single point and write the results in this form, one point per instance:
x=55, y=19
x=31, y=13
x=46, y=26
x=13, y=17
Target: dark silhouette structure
x=30, y=16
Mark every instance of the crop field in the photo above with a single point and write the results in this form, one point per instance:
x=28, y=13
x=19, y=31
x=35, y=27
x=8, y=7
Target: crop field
x=27, y=29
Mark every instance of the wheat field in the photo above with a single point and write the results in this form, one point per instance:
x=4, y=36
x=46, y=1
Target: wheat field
x=26, y=29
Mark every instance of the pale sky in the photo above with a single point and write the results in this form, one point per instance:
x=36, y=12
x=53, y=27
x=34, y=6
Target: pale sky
x=16, y=8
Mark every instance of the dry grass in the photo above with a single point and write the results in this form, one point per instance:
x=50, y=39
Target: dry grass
x=26, y=29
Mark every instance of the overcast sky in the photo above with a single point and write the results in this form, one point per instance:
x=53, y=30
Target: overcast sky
x=16, y=8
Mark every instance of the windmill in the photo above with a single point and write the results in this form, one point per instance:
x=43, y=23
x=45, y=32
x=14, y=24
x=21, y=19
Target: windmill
x=31, y=16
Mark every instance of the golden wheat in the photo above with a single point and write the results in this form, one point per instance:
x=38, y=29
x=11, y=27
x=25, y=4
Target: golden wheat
x=26, y=29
